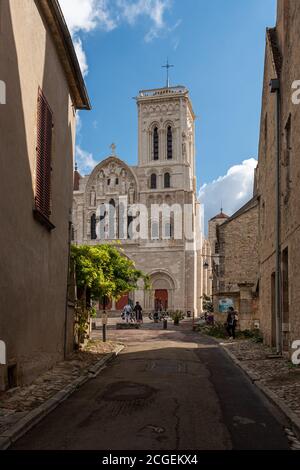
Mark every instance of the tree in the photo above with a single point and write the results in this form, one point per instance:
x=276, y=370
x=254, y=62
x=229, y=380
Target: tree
x=105, y=271
x=102, y=272
x=207, y=304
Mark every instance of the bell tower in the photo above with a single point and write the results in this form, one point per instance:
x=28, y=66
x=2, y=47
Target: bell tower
x=166, y=133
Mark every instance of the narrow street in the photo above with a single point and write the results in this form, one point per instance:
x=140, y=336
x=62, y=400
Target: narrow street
x=167, y=390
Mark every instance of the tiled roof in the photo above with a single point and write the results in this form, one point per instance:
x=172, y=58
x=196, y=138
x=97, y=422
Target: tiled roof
x=220, y=216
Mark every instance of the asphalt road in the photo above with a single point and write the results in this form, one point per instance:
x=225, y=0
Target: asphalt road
x=168, y=390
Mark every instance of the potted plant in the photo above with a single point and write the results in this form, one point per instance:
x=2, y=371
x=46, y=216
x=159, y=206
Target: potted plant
x=177, y=316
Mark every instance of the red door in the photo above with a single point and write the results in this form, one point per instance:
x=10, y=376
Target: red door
x=122, y=302
x=161, y=299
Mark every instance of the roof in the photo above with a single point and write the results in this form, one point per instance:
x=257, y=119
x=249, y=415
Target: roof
x=220, y=216
x=276, y=54
x=52, y=13
x=246, y=207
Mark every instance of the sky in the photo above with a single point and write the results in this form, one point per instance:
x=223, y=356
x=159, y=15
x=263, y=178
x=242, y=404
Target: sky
x=217, y=49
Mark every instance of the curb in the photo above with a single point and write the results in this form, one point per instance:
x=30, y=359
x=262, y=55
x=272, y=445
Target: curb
x=35, y=416
x=290, y=415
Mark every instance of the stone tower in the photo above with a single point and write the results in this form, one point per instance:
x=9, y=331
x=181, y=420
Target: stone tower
x=163, y=177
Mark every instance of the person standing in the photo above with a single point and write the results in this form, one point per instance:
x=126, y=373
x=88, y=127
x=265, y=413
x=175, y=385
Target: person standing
x=138, y=313
x=231, y=322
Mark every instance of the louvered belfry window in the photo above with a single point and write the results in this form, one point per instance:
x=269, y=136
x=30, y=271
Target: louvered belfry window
x=43, y=157
x=155, y=144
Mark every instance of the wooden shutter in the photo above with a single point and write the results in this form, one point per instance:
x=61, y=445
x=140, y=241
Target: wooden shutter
x=43, y=157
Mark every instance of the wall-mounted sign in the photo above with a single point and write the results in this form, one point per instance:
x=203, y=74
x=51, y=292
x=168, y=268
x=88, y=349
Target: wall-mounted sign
x=224, y=304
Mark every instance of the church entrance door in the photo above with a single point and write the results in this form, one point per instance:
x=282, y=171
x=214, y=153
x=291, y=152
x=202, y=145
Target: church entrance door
x=161, y=299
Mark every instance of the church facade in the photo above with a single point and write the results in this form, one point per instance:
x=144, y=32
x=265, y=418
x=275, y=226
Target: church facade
x=151, y=208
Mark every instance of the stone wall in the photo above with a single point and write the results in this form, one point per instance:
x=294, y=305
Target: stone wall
x=281, y=61
x=34, y=261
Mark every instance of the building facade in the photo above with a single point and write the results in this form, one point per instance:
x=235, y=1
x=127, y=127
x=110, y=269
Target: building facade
x=168, y=243
x=280, y=121
x=237, y=246
x=43, y=88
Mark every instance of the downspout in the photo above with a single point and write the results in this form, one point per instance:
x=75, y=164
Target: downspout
x=67, y=294
x=275, y=88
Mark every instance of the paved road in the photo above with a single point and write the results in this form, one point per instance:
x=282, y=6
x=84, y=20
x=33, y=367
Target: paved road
x=168, y=390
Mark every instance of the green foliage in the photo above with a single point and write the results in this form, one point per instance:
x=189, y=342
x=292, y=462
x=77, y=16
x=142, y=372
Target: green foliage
x=177, y=316
x=207, y=304
x=217, y=330
x=105, y=271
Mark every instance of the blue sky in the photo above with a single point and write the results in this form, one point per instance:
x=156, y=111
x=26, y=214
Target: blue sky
x=217, y=48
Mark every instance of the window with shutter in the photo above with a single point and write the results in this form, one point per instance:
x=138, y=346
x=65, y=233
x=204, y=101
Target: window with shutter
x=43, y=161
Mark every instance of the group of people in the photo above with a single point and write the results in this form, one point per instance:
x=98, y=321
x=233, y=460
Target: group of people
x=131, y=315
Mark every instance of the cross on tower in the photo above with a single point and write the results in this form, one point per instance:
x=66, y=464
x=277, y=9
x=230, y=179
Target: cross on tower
x=113, y=149
x=168, y=66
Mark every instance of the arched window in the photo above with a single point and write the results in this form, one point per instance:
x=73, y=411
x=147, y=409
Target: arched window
x=167, y=180
x=155, y=144
x=154, y=230
x=153, y=181
x=168, y=230
x=169, y=143
x=93, y=227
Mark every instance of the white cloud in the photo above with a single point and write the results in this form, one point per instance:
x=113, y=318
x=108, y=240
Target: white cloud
x=84, y=160
x=232, y=190
x=84, y=16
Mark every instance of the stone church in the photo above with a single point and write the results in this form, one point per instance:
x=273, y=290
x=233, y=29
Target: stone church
x=170, y=252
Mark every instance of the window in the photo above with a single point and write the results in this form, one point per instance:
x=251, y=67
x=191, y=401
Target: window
x=43, y=161
x=154, y=230
x=93, y=227
x=117, y=181
x=155, y=144
x=167, y=180
x=169, y=143
x=108, y=182
x=168, y=230
x=153, y=181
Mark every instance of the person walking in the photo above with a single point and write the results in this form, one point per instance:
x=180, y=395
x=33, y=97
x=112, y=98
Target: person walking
x=127, y=312
x=231, y=322
x=138, y=312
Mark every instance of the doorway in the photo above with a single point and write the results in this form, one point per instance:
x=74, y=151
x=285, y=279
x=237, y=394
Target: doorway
x=161, y=299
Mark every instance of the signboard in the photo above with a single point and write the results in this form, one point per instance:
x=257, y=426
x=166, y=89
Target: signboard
x=224, y=304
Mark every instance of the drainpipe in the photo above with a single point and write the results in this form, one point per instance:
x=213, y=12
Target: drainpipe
x=67, y=294
x=275, y=88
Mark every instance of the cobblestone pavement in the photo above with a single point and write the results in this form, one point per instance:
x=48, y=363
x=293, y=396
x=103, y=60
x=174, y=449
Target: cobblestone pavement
x=278, y=374
x=16, y=403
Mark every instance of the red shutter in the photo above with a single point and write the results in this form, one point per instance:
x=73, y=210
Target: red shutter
x=43, y=157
